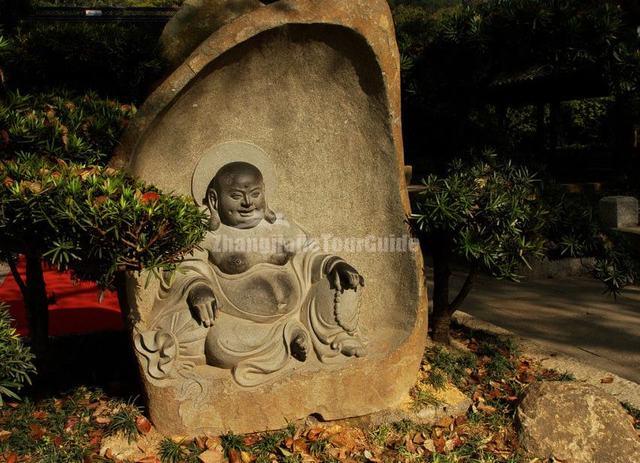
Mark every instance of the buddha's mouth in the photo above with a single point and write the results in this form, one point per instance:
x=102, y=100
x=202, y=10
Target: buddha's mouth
x=246, y=213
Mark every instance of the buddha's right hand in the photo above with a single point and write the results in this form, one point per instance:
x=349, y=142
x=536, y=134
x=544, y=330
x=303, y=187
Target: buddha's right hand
x=203, y=305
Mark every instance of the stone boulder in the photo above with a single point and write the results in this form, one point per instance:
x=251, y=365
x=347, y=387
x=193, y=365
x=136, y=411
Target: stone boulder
x=302, y=98
x=576, y=423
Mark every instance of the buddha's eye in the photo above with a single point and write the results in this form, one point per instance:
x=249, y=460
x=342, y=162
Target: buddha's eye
x=236, y=196
x=255, y=194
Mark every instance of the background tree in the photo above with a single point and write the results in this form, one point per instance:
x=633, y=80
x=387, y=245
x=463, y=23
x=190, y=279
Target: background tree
x=483, y=214
x=467, y=65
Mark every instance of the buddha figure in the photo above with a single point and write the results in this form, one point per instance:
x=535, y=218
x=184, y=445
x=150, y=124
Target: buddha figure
x=260, y=298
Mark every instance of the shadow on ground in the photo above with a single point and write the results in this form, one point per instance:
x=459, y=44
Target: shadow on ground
x=569, y=315
x=102, y=360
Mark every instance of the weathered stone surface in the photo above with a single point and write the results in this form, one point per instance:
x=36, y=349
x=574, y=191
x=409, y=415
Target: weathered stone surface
x=619, y=211
x=576, y=423
x=195, y=21
x=314, y=85
x=449, y=401
x=120, y=448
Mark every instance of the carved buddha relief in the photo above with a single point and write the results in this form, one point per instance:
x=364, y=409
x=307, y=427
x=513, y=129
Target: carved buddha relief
x=261, y=297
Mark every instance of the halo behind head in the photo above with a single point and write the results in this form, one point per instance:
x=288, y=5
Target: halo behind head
x=220, y=155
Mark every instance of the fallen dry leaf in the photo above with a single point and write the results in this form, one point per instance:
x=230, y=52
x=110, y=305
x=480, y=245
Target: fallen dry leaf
x=71, y=423
x=487, y=408
x=37, y=431
x=251, y=439
x=149, y=459
x=444, y=422
x=40, y=414
x=460, y=420
x=103, y=420
x=143, y=424
x=234, y=456
x=246, y=457
x=213, y=443
x=607, y=380
x=313, y=434
x=300, y=446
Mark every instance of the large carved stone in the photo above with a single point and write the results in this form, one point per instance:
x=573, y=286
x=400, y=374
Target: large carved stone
x=306, y=297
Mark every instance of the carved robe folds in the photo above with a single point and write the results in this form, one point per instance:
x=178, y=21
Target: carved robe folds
x=260, y=312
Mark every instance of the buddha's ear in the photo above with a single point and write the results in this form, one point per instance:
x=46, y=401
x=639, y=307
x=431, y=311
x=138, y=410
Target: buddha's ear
x=270, y=216
x=211, y=201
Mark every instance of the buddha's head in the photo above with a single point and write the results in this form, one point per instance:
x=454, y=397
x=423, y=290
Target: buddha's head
x=236, y=197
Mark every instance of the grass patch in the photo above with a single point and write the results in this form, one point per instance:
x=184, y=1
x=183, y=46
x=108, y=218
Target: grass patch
x=123, y=421
x=448, y=365
x=424, y=398
x=634, y=412
x=68, y=429
x=490, y=371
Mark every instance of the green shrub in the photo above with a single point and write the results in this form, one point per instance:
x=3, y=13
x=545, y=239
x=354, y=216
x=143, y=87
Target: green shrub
x=115, y=60
x=96, y=221
x=16, y=365
x=484, y=213
x=74, y=128
x=574, y=230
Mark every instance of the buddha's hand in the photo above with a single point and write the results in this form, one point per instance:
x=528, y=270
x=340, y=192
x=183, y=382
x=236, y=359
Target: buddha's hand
x=343, y=276
x=203, y=305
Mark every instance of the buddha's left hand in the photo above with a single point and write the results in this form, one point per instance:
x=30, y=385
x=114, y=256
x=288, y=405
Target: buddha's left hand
x=343, y=276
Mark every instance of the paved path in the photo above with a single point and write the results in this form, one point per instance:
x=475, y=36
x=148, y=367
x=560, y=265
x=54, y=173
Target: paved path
x=569, y=315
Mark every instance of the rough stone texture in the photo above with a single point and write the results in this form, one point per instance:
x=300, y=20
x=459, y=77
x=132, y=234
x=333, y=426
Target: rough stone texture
x=197, y=20
x=619, y=211
x=316, y=85
x=576, y=423
x=450, y=402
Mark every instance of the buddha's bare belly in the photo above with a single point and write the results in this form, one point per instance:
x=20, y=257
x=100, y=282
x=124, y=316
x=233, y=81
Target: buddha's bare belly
x=234, y=263
x=262, y=293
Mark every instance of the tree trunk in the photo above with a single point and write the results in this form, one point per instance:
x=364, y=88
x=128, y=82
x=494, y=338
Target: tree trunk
x=441, y=316
x=37, y=306
x=440, y=326
x=443, y=310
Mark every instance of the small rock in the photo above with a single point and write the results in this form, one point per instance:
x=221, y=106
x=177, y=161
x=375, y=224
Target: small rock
x=211, y=456
x=451, y=402
x=577, y=423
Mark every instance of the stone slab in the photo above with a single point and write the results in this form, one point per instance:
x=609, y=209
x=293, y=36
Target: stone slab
x=619, y=211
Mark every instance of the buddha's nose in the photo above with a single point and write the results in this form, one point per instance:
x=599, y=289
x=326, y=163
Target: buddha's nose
x=245, y=202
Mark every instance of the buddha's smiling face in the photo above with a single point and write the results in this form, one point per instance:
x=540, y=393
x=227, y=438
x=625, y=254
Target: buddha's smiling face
x=238, y=195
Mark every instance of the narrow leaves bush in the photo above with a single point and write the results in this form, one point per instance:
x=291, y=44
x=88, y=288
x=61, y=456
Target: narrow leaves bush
x=93, y=220
x=74, y=128
x=16, y=365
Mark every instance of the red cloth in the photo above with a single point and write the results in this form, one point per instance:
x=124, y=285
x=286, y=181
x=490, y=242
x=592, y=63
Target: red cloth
x=73, y=308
